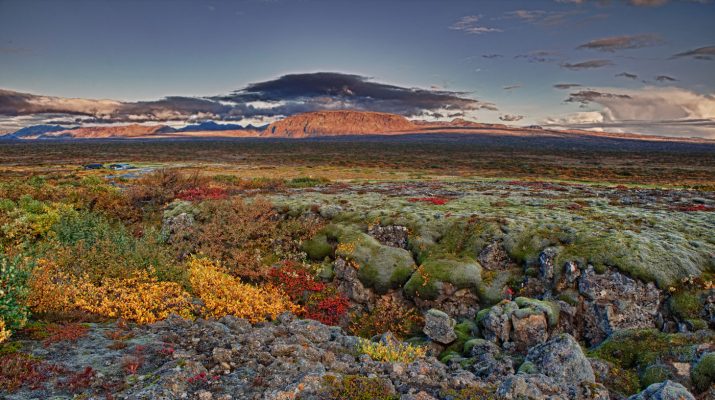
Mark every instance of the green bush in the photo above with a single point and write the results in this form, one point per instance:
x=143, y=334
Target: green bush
x=13, y=289
x=703, y=374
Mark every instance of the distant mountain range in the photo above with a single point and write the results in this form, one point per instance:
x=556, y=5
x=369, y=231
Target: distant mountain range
x=313, y=125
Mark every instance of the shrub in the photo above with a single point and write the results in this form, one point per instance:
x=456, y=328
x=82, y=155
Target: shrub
x=224, y=294
x=703, y=374
x=392, y=352
x=388, y=315
x=139, y=297
x=294, y=281
x=13, y=291
x=202, y=193
x=327, y=307
x=438, y=201
x=18, y=370
x=247, y=237
x=356, y=387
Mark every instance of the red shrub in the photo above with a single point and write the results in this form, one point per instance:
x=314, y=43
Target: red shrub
x=80, y=380
x=694, y=208
x=327, y=308
x=202, y=193
x=17, y=370
x=295, y=282
x=438, y=201
x=64, y=332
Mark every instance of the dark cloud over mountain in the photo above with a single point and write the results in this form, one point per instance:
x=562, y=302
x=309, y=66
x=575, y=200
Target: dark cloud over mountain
x=284, y=96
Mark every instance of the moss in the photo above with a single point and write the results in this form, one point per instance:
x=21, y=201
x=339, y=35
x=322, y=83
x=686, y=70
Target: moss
x=463, y=335
x=623, y=381
x=697, y=324
x=318, y=247
x=449, y=355
x=492, y=292
x=549, y=307
x=654, y=374
x=426, y=281
x=569, y=296
x=685, y=305
x=356, y=387
x=527, y=367
x=326, y=271
x=481, y=314
x=379, y=267
x=703, y=373
x=468, y=327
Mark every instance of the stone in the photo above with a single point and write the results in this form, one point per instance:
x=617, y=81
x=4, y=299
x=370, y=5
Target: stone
x=667, y=390
x=614, y=301
x=390, y=235
x=439, y=327
x=562, y=359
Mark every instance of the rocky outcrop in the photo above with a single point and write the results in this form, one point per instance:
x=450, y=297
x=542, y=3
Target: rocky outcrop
x=520, y=324
x=614, y=301
x=337, y=123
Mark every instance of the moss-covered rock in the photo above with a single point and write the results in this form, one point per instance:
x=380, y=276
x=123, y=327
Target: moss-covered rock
x=550, y=308
x=427, y=281
x=318, y=247
x=379, y=267
x=703, y=373
x=685, y=305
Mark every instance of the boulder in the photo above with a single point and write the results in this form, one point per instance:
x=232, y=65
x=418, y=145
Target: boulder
x=667, y=390
x=439, y=327
x=346, y=277
x=614, y=301
x=390, y=235
x=562, y=359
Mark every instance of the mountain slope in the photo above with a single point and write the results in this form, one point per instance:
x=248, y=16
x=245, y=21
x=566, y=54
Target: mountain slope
x=338, y=123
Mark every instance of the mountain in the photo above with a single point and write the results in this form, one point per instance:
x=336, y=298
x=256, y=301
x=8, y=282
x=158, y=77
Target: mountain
x=213, y=126
x=338, y=123
x=35, y=131
x=115, y=131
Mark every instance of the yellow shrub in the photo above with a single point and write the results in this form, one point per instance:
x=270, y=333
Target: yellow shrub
x=398, y=352
x=140, y=298
x=4, y=333
x=224, y=294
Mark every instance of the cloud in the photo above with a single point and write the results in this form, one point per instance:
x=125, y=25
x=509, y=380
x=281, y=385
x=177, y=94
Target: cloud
x=540, y=56
x=702, y=53
x=469, y=24
x=492, y=56
x=512, y=87
x=668, y=111
x=665, y=78
x=511, y=117
x=542, y=17
x=566, y=85
x=625, y=42
x=326, y=90
x=287, y=95
x=626, y=75
x=587, y=65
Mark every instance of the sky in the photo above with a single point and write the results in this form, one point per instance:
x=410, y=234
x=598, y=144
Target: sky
x=643, y=66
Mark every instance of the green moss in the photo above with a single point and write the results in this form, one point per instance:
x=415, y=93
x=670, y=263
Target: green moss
x=356, y=387
x=703, y=374
x=468, y=327
x=318, y=247
x=379, y=267
x=623, y=381
x=551, y=308
x=527, y=367
x=685, y=305
x=654, y=374
x=425, y=283
x=448, y=355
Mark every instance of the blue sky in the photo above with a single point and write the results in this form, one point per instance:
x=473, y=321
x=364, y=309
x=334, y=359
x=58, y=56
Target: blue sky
x=145, y=50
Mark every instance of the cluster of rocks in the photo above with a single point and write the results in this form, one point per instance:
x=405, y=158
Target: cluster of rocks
x=290, y=358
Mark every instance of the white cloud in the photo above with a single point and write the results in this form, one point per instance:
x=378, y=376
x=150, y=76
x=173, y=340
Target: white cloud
x=668, y=111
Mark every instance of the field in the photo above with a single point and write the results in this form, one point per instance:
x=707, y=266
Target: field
x=372, y=235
